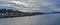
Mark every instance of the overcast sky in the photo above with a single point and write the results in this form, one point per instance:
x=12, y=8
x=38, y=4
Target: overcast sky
x=33, y=5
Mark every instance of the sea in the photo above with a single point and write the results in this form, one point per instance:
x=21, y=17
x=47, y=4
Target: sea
x=46, y=19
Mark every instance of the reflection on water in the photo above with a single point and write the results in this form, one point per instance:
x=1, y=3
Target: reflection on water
x=47, y=19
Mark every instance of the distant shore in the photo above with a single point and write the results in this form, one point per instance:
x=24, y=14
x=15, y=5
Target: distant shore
x=16, y=13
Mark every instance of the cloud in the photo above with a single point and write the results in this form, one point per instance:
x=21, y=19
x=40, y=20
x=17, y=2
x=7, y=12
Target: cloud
x=34, y=5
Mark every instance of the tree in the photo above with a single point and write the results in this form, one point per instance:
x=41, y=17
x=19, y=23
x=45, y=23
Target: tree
x=2, y=10
x=9, y=11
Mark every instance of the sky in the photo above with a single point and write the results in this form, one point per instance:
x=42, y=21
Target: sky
x=33, y=5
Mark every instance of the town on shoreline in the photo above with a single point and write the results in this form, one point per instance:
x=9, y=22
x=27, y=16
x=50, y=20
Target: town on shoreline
x=16, y=13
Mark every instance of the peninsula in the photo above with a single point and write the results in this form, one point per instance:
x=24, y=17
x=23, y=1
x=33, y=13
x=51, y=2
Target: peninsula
x=4, y=13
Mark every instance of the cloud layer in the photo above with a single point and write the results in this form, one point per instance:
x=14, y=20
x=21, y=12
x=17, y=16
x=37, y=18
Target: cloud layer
x=34, y=5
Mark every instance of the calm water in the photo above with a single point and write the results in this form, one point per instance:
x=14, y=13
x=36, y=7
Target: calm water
x=47, y=19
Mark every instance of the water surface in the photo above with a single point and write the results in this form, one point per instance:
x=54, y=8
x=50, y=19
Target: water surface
x=47, y=19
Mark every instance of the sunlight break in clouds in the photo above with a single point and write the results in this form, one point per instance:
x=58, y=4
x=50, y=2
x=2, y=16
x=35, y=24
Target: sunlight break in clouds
x=23, y=3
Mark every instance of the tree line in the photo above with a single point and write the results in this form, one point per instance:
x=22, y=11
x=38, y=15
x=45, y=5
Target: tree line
x=6, y=10
x=9, y=11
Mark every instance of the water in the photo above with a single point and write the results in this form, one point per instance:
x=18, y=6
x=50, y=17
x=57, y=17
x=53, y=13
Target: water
x=47, y=19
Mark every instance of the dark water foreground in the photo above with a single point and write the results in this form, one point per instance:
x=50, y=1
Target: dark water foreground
x=46, y=19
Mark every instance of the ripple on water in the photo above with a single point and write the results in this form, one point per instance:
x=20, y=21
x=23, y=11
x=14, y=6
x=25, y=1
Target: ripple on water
x=32, y=20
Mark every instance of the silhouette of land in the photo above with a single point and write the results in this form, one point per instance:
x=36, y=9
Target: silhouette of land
x=16, y=13
x=7, y=13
